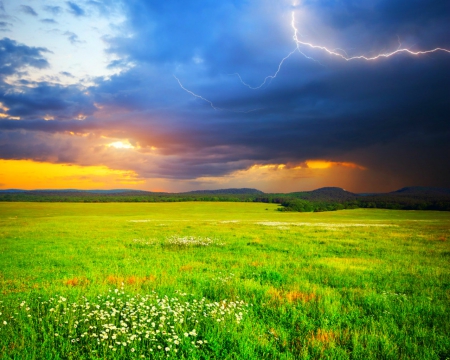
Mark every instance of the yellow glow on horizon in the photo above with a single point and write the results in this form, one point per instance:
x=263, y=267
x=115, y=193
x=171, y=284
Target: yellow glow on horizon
x=310, y=164
x=307, y=175
x=318, y=164
x=267, y=167
x=325, y=164
x=71, y=133
x=29, y=174
x=121, y=145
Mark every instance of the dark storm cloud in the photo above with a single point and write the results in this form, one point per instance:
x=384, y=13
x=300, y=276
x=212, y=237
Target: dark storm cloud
x=44, y=126
x=30, y=145
x=388, y=13
x=74, y=9
x=28, y=10
x=62, y=102
x=383, y=23
x=37, y=99
x=185, y=26
x=389, y=115
x=14, y=57
x=325, y=109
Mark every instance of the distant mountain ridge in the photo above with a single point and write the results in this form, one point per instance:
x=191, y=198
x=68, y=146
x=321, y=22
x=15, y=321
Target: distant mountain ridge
x=324, y=193
x=323, y=199
x=230, y=191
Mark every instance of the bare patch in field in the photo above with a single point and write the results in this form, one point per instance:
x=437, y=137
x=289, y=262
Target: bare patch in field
x=77, y=281
x=191, y=266
x=256, y=264
x=326, y=338
x=323, y=225
x=293, y=296
x=129, y=280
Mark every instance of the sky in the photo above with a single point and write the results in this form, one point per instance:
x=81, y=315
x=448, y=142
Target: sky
x=180, y=95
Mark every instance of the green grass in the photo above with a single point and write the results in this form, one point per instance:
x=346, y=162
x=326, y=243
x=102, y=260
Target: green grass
x=352, y=284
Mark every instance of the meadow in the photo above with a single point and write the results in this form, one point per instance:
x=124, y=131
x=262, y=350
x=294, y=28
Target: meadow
x=199, y=280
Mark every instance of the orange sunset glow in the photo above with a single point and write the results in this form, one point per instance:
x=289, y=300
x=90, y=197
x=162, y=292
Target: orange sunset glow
x=28, y=174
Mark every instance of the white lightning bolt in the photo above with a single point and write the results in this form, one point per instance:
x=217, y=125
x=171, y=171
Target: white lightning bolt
x=362, y=57
x=270, y=77
x=299, y=43
x=197, y=96
x=334, y=52
x=210, y=102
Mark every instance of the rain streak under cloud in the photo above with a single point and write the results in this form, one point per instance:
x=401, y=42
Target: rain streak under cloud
x=178, y=95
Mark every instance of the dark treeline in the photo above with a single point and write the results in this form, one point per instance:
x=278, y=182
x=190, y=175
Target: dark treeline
x=121, y=197
x=325, y=199
x=386, y=202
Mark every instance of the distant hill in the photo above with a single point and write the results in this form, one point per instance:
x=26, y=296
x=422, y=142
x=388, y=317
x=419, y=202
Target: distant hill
x=409, y=198
x=323, y=199
x=322, y=194
x=242, y=191
x=333, y=193
x=326, y=194
x=332, y=198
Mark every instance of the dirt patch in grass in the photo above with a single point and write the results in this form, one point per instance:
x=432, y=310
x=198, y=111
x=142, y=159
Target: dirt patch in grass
x=191, y=266
x=130, y=280
x=256, y=264
x=293, y=296
x=77, y=281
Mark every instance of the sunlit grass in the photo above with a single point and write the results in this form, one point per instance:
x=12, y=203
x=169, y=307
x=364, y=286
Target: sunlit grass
x=355, y=284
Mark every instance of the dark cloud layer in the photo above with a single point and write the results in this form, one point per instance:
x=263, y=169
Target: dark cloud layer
x=389, y=115
x=62, y=102
x=14, y=57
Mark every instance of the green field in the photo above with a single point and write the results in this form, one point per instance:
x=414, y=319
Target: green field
x=222, y=281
